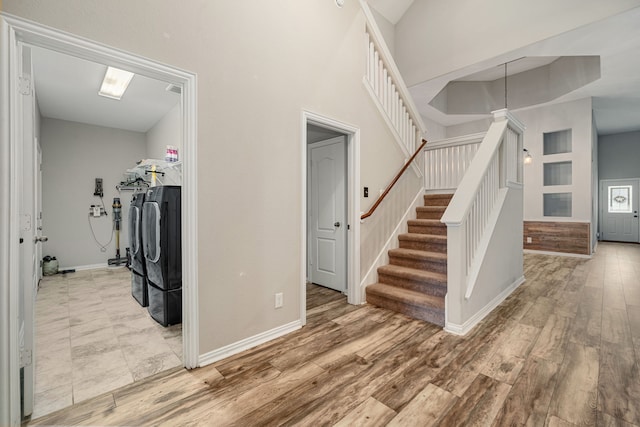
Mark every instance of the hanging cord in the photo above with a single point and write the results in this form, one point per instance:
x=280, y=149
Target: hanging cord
x=103, y=248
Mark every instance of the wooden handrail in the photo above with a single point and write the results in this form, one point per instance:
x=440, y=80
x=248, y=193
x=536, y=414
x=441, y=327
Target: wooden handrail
x=390, y=186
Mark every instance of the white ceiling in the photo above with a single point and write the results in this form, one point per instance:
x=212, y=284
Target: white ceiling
x=67, y=89
x=517, y=66
x=391, y=9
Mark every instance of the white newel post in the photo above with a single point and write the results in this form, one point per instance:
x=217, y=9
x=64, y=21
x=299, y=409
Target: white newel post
x=456, y=259
x=472, y=215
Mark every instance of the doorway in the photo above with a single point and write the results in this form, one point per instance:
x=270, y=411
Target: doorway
x=330, y=236
x=619, y=210
x=20, y=33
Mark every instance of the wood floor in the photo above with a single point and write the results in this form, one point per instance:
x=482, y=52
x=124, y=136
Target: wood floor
x=562, y=350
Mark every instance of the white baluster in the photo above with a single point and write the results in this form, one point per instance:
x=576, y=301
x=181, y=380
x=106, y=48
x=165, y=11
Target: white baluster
x=383, y=90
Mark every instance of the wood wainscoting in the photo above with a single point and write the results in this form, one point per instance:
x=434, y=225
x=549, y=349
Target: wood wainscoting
x=566, y=237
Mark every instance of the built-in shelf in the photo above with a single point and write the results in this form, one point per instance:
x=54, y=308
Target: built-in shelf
x=557, y=204
x=557, y=142
x=151, y=172
x=557, y=173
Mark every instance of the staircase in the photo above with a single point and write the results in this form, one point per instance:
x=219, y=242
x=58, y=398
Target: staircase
x=415, y=281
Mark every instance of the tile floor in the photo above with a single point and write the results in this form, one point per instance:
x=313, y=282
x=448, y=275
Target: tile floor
x=93, y=337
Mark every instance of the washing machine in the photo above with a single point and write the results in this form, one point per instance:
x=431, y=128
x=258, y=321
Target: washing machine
x=162, y=250
x=138, y=265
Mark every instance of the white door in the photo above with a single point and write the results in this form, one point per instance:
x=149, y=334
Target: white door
x=619, y=210
x=38, y=210
x=29, y=236
x=328, y=213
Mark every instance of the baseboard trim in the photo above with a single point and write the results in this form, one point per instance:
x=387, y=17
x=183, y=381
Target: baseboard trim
x=247, y=343
x=565, y=254
x=464, y=328
x=85, y=267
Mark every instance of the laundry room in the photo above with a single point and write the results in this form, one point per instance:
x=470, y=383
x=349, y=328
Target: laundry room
x=97, y=325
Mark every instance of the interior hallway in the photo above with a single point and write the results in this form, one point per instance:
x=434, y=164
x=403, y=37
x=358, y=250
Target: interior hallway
x=93, y=337
x=563, y=349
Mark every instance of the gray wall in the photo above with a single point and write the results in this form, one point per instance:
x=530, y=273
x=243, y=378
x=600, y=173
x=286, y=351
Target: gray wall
x=619, y=155
x=168, y=131
x=73, y=155
x=594, y=183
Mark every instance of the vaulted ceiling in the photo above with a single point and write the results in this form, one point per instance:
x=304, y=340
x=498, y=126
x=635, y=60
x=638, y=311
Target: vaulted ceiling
x=615, y=94
x=67, y=86
x=67, y=89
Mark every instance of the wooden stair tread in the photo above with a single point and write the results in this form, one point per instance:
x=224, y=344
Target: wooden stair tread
x=438, y=196
x=432, y=238
x=417, y=254
x=406, y=296
x=431, y=208
x=413, y=273
x=437, y=199
x=426, y=222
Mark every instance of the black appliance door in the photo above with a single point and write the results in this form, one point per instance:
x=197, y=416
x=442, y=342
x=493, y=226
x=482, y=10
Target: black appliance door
x=134, y=230
x=151, y=221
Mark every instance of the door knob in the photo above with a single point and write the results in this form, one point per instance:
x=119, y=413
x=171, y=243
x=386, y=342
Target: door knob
x=40, y=239
x=336, y=224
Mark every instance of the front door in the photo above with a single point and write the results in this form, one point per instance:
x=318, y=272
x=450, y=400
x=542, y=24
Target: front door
x=619, y=210
x=328, y=213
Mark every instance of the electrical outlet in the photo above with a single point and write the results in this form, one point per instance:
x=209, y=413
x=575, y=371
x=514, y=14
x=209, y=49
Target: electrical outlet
x=528, y=239
x=279, y=300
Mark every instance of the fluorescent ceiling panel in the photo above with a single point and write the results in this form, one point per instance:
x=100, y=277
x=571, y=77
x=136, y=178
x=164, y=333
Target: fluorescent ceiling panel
x=115, y=83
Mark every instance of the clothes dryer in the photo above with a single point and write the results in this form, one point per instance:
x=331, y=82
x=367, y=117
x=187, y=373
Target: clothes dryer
x=138, y=265
x=161, y=237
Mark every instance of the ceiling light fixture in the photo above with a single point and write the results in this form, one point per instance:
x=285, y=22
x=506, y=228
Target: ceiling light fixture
x=340, y=3
x=115, y=83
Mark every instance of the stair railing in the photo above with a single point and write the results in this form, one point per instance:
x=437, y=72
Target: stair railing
x=446, y=161
x=388, y=90
x=393, y=182
x=471, y=215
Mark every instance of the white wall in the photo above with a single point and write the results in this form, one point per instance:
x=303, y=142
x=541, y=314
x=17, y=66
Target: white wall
x=73, y=155
x=501, y=268
x=619, y=155
x=435, y=131
x=168, y=131
x=387, y=29
x=258, y=67
x=435, y=37
x=468, y=128
x=577, y=116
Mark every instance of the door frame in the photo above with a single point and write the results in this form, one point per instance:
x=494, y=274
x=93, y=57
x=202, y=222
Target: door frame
x=603, y=203
x=342, y=140
x=353, y=206
x=13, y=30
